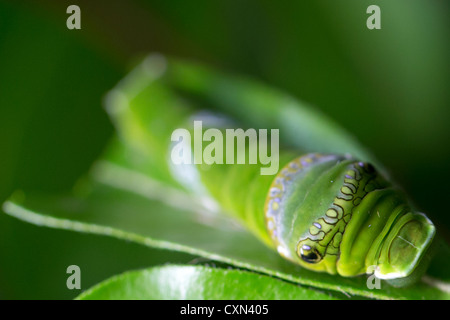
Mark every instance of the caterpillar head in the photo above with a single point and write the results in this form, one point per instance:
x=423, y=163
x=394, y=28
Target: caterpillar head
x=334, y=214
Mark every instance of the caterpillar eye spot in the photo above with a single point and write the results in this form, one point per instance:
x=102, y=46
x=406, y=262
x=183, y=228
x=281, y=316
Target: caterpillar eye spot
x=309, y=254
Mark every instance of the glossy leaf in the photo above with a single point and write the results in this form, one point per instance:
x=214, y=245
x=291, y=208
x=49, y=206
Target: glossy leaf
x=177, y=282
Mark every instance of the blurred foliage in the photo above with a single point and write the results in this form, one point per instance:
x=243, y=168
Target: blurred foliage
x=53, y=127
x=389, y=87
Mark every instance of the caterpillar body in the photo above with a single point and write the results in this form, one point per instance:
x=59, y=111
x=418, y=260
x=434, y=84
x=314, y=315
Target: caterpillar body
x=325, y=210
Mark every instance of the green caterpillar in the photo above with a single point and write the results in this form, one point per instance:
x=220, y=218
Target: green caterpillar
x=325, y=209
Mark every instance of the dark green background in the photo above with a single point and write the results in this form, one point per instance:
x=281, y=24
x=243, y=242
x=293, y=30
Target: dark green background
x=389, y=87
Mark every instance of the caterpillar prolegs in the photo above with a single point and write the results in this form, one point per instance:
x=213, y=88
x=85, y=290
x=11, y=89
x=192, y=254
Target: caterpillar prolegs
x=324, y=209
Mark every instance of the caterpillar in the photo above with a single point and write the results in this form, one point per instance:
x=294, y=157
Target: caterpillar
x=325, y=209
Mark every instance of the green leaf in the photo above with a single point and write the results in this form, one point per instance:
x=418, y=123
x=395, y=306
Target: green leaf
x=121, y=203
x=177, y=282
